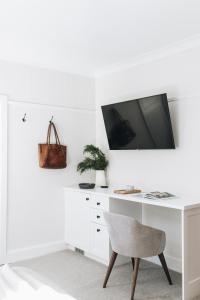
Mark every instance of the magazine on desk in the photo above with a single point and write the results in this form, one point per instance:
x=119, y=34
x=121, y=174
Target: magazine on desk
x=157, y=195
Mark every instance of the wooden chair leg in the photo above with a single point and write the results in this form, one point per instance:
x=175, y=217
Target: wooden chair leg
x=135, y=274
x=133, y=262
x=111, y=264
x=164, y=265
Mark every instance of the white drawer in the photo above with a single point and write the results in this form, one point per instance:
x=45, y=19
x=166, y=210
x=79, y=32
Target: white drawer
x=97, y=216
x=85, y=197
x=100, y=238
x=100, y=202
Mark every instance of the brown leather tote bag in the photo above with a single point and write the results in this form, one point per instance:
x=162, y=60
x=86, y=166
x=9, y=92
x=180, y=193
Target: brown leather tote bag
x=52, y=156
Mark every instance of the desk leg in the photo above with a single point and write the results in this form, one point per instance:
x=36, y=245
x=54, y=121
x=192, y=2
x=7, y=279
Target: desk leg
x=190, y=253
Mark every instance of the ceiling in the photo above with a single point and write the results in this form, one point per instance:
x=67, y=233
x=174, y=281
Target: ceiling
x=90, y=36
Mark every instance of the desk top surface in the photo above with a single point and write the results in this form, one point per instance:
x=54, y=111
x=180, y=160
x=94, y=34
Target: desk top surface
x=179, y=203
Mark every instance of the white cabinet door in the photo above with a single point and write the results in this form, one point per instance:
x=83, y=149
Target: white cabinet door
x=77, y=224
x=100, y=241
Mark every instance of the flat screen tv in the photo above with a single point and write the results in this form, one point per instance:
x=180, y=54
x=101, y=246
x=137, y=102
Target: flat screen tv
x=139, y=124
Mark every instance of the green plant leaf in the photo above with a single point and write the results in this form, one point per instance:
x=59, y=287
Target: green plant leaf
x=95, y=161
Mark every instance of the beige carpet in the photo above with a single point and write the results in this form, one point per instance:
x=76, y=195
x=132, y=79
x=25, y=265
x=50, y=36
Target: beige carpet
x=82, y=278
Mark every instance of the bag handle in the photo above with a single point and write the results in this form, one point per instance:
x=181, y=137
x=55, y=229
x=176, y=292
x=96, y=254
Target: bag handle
x=56, y=134
x=51, y=124
x=48, y=134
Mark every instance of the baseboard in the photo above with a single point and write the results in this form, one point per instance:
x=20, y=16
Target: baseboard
x=194, y=288
x=89, y=255
x=173, y=263
x=35, y=251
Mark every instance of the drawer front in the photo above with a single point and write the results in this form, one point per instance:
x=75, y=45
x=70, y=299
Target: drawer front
x=97, y=216
x=100, y=238
x=100, y=202
x=83, y=197
x=86, y=198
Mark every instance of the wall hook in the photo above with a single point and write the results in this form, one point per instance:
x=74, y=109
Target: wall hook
x=24, y=118
x=51, y=119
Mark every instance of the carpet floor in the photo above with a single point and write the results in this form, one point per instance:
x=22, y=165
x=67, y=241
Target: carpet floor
x=82, y=278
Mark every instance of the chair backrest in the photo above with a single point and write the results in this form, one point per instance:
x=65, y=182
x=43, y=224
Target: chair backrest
x=122, y=231
x=130, y=238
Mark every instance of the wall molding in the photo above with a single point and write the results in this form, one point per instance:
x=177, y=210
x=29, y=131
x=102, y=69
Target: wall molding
x=52, y=106
x=148, y=57
x=35, y=251
x=174, y=263
x=193, y=287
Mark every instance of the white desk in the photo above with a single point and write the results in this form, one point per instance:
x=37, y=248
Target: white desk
x=179, y=217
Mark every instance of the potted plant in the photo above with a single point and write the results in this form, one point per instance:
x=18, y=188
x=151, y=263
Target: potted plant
x=95, y=160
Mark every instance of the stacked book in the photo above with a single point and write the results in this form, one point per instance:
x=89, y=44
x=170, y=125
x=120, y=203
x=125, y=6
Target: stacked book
x=157, y=195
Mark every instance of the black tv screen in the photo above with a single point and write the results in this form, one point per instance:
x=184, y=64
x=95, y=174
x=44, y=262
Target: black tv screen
x=139, y=124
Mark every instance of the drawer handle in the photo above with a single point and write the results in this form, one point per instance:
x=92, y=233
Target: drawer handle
x=98, y=217
x=98, y=203
x=98, y=230
x=87, y=199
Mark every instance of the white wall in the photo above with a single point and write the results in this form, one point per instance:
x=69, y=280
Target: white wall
x=30, y=84
x=35, y=197
x=176, y=171
x=35, y=214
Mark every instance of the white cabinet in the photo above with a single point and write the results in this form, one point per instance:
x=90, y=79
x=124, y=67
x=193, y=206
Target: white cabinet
x=85, y=226
x=77, y=225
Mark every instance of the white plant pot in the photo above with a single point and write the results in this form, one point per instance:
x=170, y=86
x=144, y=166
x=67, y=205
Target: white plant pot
x=100, y=178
